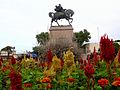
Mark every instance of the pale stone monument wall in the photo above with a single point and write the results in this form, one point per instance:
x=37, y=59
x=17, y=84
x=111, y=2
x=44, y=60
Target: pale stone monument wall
x=61, y=34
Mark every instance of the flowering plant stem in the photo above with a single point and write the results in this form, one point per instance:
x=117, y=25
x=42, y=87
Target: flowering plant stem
x=108, y=71
x=88, y=82
x=103, y=88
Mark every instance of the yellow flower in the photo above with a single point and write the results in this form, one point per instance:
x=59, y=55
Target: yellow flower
x=28, y=62
x=69, y=63
x=56, y=63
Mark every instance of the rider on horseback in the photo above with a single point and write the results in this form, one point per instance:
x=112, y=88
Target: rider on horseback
x=61, y=14
x=59, y=8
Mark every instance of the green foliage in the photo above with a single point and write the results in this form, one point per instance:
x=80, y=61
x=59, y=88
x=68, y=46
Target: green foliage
x=38, y=50
x=42, y=38
x=4, y=77
x=118, y=72
x=101, y=72
x=116, y=45
x=30, y=75
x=81, y=37
x=98, y=88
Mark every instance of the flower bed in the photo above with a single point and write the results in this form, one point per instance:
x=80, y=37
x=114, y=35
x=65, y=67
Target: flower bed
x=63, y=73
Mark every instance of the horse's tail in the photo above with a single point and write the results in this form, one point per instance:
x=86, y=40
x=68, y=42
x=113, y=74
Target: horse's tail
x=51, y=14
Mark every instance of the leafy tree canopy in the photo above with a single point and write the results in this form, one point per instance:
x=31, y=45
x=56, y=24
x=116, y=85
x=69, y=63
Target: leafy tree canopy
x=117, y=40
x=8, y=49
x=38, y=50
x=42, y=38
x=117, y=46
x=81, y=37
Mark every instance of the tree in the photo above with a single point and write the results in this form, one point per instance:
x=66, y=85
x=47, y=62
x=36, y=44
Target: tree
x=42, y=38
x=81, y=37
x=117, y=40
x=117, y=46
x=8, y=49
x=38, y=50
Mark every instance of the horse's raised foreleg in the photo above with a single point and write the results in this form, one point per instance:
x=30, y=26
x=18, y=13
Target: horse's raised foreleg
x=69, y=22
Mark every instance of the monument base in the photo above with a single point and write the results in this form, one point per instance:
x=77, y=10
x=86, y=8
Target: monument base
x=61, y=37
x=61, y=34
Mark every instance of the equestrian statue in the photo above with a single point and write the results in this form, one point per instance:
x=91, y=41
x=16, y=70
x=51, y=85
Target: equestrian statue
x=61, y=13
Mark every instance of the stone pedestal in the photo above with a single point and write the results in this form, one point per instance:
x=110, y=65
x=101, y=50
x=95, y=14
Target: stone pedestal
x=61, y=35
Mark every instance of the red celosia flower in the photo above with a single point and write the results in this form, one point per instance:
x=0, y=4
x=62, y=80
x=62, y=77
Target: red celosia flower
x=49, y=86
x=116, y=83
x=62, y=62
x=107, y=50
x=49, y=56
x=119, y=55
x=81, y=60
x=89, y=62
x=103, y=82
x=0, y=64
x=70, y=79
x=46, y=80
x=82, y=63
x=89, y=70
x=7, y=67
x=95, y=58
x=1, y=60
x=81, y=66
x=45, y=64
x=85, y=62
x=117, y=79
x=16, y=80
x=4, y=68
x=13, y=60
x=27, y=84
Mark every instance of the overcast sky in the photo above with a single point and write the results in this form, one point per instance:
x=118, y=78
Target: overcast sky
x=21, y=20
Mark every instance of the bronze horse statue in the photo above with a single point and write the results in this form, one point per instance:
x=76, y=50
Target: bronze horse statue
x=66, y=14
